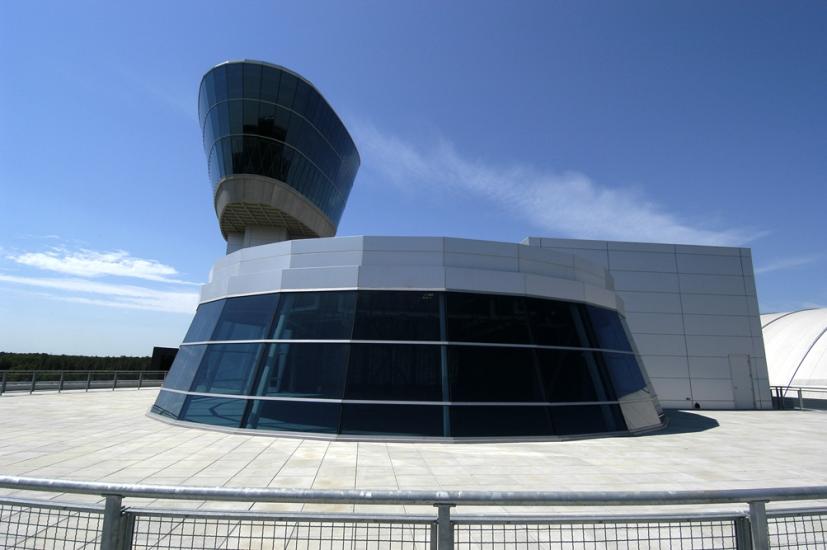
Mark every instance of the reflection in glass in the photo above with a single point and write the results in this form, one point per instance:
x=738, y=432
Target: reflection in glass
x=217, y=411
x=304, y=370
x=501, y=390
x=396, y=372
x=608, y=329
x=295, y=416
x=184, y=367
x=410, y=420
x=169, y=403
x=504, y=421
x=487, y=318
x=203, y=324
x=410, y=315
x=570, y=376
x=315, y=315
x=586, y=419
x=246, y=317
x=625, y=373
x=553, y=323
x=227, y=369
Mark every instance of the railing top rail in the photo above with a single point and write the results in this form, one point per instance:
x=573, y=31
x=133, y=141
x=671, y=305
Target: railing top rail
x=805, y=388
x=465, y=498
x=84, y=371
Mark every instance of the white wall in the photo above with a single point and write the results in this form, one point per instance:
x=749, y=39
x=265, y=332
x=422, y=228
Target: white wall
x=689, y=308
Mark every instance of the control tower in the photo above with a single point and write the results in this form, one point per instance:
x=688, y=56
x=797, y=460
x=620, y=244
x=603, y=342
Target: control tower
x=281, y=162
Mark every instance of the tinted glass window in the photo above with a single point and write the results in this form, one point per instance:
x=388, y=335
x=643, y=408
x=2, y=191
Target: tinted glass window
x=394, y=372
x=484, y=421
x=315, y=315
x=220, y=82
x=421, y=420
x=269, y=84
x=246, y=317
x=295, y=416
x=382, y=315
x=168, y=403
x=184, y=367
x=492, y=374
x=553, y=323
x=570, y=376
x=287, y=89
x=608, y=328
x=487, y=318
x=206, y=317
x=586, y=419
x=227, y=368
x=625, y=373
x=252, y=80
x=300, y=99
x=305, y=370
x=217, y=411
x=235, y=82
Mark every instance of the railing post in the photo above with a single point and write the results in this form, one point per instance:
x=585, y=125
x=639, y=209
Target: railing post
x=140, y=379
x=3, y=384
x=60, y=384
x=114, y=380
x=800, y=399
x=112, y=522
x=758, y=525
x=743, y=540
x=88, y=380
x=445, y=529
x=127, y=530
x=34, y=381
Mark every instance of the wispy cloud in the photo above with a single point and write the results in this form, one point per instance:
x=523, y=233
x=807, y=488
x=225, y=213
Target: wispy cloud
x=108, y=294
x=787, y=263
x=91, y=263
x=567, y=203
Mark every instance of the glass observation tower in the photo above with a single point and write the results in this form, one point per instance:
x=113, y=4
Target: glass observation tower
x=280, y=160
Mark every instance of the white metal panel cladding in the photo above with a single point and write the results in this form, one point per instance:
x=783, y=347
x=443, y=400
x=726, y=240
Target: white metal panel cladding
x=410, y=263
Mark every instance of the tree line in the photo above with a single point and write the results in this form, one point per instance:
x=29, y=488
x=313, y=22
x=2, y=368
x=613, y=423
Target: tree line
x=45, y=361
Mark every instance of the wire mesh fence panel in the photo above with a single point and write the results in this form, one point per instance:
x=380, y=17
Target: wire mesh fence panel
x=804, y=531
x=233, y=534
x=35, y=528
x=689, y=535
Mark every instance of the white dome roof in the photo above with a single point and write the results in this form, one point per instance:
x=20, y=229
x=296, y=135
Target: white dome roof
x=796, y=346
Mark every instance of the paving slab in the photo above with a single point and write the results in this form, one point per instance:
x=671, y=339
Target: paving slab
x=106, y=436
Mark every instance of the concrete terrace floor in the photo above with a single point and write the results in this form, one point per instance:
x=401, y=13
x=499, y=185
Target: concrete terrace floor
x=105, y=436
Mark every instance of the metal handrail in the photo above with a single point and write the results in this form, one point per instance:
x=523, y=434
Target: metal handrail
x=750, y=527
x=28, y=380
x=409, y=497
x=780, y=393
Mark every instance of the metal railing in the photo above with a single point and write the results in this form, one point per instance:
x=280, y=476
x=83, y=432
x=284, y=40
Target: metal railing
x=30, y=381
x=112, y=526
x=796, y=397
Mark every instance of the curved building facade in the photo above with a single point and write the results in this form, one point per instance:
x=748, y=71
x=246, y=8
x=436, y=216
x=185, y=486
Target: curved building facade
x=380, y=337
x=281, y=162
x=377, y=337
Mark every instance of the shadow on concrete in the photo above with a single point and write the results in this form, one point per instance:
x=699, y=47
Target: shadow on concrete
x=681, y=422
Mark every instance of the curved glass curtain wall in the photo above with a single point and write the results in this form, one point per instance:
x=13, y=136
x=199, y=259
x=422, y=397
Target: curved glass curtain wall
x=403, y=363
x=260, y=119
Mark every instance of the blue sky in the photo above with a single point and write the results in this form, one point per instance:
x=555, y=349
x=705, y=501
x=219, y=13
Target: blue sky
x=701, y=122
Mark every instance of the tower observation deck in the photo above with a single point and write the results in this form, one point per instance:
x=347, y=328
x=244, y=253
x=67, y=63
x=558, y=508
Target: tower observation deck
x=281, y=162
